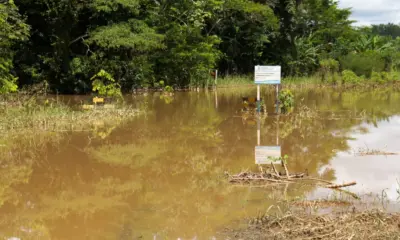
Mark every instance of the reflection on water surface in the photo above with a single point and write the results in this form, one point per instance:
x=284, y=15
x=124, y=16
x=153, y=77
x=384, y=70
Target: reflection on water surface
x=163, y=174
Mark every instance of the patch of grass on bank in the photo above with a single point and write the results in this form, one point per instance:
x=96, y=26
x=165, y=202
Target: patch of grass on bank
x=346, y=79
x=232, y=81
x=18, y=116
x=302, y=80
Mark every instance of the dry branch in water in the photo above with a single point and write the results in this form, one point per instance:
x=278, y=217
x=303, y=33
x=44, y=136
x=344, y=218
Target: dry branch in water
x=273, y=176
x=373, y=152
x=341, y=185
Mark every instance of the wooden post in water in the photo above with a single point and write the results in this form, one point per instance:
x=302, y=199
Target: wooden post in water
x=216, y=78
x=258, y=132
x=258, y=98
x=216, y=99
x=277, y=99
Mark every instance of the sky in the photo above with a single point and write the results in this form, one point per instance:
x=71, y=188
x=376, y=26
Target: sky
x=367, y=12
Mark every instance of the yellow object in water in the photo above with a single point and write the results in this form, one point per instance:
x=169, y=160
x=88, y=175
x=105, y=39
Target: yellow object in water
x=87, y=106
x=98, y=100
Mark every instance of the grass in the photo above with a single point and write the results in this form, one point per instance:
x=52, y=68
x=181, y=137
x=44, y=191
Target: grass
x=16, y=116
x=34, y=122
x=234, y=81
x=334, y=217
x=295, y=81
x=373, y=224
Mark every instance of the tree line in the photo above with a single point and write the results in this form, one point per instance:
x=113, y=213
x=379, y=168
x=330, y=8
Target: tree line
x=141, y=43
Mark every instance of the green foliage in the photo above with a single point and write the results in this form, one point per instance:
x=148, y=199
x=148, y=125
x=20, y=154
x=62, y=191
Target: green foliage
x=140, y=42
x=384, y=77
x=363, y=63
x=286, y=100
x=104, y=84
x=329, y=67
x=12, y=30
x=168, y=89
x=377, y=77
x=390, y=29
x=349, y=77
x=304, y=61
x=279, y=159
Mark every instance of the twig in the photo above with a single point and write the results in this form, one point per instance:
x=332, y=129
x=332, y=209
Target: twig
x=355, y=196
x=264, y=179
x=341, y=185
x=273, y=167
x=286, y=170
x=317, y=179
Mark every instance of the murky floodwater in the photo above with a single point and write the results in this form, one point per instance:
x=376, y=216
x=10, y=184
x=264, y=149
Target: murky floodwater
x=161, y=176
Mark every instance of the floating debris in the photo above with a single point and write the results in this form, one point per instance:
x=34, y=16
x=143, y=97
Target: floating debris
x=372, y=152
x=274, y=177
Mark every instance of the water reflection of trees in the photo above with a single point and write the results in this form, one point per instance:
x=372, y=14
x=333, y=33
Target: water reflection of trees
x=164, y=173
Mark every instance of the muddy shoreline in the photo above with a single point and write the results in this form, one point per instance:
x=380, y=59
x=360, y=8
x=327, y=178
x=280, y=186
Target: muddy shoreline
x=371, y=224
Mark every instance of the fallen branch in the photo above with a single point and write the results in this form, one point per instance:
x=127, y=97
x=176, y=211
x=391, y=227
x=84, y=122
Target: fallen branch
x=340, y=185
x=260, y=179
x=318, y=179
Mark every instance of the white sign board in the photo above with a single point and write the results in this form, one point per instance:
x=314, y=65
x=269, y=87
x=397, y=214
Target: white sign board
x=267, y=74
x=264, y=152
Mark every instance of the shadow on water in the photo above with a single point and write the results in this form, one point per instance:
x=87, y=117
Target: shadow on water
x=162, y=175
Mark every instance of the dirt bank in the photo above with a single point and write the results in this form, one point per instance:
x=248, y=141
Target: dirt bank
x=355, y=225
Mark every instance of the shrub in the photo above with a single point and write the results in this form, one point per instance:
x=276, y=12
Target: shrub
x=105, y=85
x=383, y=77
x=329, y=67
x=394, y=76
x=349, y=77
x=286, y=100
x=363, y=63
x=168, y=89
x=377, y=77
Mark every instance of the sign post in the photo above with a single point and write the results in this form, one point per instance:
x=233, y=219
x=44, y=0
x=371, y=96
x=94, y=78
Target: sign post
x=266, y=75
x=216, y=78
x=263, y=154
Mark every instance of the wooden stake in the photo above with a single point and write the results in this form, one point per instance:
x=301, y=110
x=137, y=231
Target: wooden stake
x=273, y=167
x=286, y=169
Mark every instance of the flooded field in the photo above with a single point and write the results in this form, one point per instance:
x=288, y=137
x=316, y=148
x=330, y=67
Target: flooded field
x=161, y=175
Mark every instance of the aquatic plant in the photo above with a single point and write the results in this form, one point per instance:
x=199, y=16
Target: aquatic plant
x=168, y=89
x=286, y=100
x=328, y=68
x=350, y=77
x=105, y=85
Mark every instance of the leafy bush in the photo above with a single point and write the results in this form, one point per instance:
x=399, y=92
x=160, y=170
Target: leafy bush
x=383, y=77
x=394, y=76
x=363, y=63
x=168, y=89
x=349, y=77
x=104, y=84
x=286, y=100
x=329, y=67
x=377, y=77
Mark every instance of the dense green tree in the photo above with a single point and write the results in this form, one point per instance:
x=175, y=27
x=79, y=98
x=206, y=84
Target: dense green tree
x=143, y=42
x=390, y=29
x=12, y=31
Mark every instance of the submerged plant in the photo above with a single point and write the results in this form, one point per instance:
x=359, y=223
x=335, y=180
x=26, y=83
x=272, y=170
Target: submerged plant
x=328, y=68
x=168, y=89
x=286, y=100
x=349, y=76
x=105, y=85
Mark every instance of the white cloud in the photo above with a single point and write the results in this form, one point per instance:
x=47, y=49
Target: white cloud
x=367, y=12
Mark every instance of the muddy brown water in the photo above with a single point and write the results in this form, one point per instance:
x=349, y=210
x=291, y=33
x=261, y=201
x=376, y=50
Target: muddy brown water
x=161, y=175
